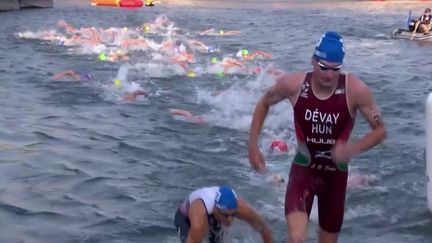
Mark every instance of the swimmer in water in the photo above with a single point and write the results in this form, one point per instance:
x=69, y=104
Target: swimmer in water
x=278, y=145
x=132, y=96
x=246, y=56
x=213, y=31
x=357, y=181
x=188, y=115
x=118, y=55
x=228, y=66
x=75, y=76
x=159, y=25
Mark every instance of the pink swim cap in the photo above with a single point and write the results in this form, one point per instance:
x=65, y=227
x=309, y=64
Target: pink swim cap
x=279, y=146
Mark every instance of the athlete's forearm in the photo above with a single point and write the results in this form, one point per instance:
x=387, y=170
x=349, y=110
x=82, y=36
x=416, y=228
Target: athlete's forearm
x=266, y=235
x=370, y=140
x=259, y=115
x=258, y=224
x=190, y=240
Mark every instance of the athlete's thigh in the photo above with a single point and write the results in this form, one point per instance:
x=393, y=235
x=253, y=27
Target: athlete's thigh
x=182, y=225
x=331, y=201
x=300, y=191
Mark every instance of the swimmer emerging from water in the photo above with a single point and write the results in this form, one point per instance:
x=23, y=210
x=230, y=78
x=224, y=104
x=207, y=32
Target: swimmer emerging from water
x=207, y=209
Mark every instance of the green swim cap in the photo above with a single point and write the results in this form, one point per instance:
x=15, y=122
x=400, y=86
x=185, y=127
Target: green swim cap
x=102, y=57
x=117, y=83
x=245, y=52
x=220, y=74
x=191, y=74
x=214, y=60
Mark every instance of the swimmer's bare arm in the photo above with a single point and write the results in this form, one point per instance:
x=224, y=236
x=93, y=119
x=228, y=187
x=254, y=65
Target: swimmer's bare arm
x=248, y=214
x=286, y=87
x=69, y=73
x=199, y=224
x=207, y=31
x=364, y=101
x=132, y=96
x=179, y=112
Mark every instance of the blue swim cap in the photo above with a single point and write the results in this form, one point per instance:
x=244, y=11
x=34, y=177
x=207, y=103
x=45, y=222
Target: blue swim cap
x=226, y=198
x=330, y=47
x=85, y=77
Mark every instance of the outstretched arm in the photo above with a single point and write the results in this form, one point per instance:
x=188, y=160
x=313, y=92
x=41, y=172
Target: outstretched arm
x=132, y=96
x=69, y=73
x=248, y=214
x=178, y=112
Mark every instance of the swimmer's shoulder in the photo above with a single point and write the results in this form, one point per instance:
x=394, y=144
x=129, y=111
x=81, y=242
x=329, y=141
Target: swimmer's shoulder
x=291, y=82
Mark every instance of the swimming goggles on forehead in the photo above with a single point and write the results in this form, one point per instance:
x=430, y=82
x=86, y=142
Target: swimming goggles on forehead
x=324, y=67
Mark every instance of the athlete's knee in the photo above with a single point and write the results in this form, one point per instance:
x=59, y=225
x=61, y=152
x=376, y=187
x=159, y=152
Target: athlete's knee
x=297, y=227
x=331, y=227
x=327, y=237
x=297, y=239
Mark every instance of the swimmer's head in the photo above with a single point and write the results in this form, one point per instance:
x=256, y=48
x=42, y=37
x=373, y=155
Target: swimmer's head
x=256, y=70
x=220, y=74
x=221, y=32
x=277, y=179
x=144, y=27
x=279, y=146
x=245, y=52
x=125, y=29
x=85, y=77
x=211, y=49
x=163, y=20
x=226, y=198
x=330, y=48
x=102, y=57
x=118, y=83
x=328, y=58
x=214, y=60
x=191, y=74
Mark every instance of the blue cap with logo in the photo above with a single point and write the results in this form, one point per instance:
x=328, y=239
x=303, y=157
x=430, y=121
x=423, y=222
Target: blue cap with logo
x=226, y=198
x=330, y=47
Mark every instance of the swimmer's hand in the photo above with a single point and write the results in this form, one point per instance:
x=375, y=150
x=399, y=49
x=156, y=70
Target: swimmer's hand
x=256, y=159
x=342, y=152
